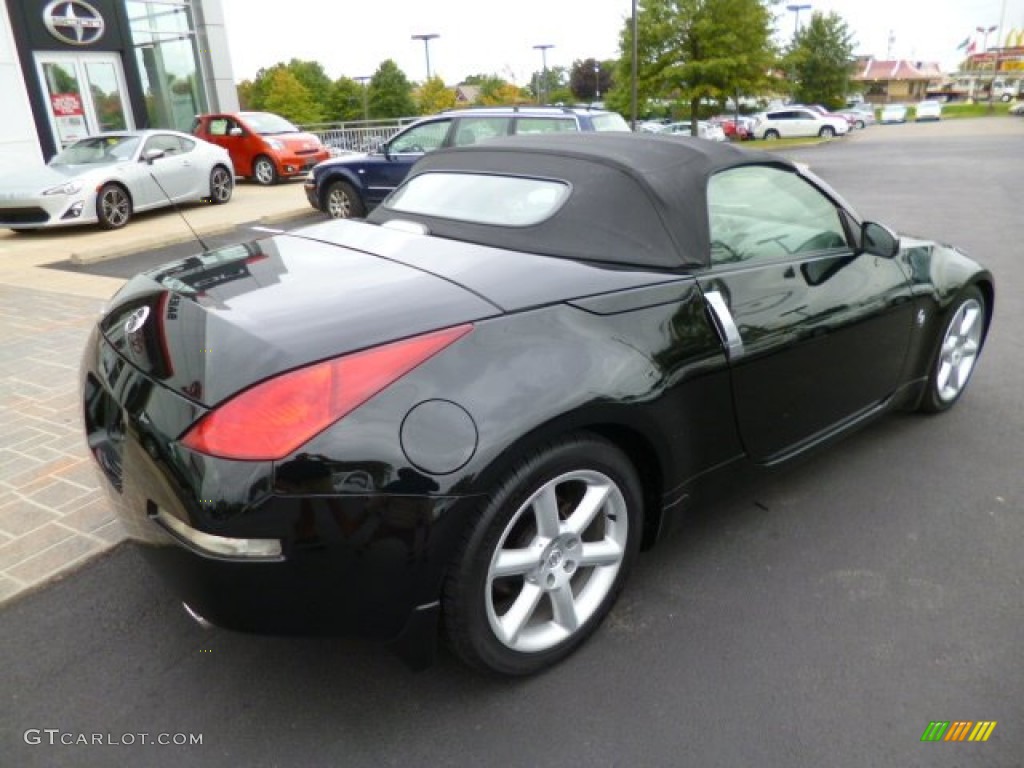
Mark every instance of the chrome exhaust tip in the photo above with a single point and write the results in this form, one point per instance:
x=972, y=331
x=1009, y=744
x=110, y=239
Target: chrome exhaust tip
x=196, y=617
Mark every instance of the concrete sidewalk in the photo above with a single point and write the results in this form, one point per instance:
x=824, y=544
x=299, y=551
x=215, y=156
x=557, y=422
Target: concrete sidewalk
x=53, y=515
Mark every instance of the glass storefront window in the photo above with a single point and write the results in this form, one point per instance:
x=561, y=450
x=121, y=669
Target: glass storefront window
x=163, y=34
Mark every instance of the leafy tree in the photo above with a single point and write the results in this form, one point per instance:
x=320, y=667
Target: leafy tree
x=819, y=61
x=286, y=96
x=434, y=96
x=695, y=50
x=244, y=89
x=496, y=92
x=346, y=100
x=311, y=74
x=582, y=79
x=552, y=85
x=390, y=92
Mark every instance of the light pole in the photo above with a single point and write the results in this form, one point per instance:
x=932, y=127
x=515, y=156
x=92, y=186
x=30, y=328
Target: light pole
x=364, y=79
x=597, y=80
x=426, y=46
x=632, y=77
x=796, y=15
x=544, y=70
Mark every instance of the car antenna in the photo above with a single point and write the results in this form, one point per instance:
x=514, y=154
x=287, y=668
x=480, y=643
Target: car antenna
x=177, y=210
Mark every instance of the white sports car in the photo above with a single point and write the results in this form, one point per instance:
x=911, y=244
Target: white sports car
x=107, y=177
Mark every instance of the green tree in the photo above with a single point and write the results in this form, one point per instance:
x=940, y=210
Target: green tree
x=286, y=96
x=553, y=85
x=434, y=96
x=346, y=100
x=311, y=74
x=244, y=89
x=390, y=92
x=692, y=51
x=819, y=61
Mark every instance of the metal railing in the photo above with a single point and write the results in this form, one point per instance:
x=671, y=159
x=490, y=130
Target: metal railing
x=357, y=135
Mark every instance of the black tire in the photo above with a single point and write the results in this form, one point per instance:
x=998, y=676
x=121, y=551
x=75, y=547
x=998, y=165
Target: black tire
x=264, y=172
x=860, y=125
x=827, y=132
x=222, y=185
x=113, y=206
x=771, y=134
x=562, y=598
x=341, y=201
x=956, y=352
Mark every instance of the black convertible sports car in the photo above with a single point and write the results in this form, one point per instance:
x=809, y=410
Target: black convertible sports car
x=481, y=402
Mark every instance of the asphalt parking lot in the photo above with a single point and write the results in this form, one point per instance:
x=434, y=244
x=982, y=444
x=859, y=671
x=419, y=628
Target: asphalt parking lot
x=822, y=617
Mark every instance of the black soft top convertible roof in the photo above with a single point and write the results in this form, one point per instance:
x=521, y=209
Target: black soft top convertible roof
x=636, y=199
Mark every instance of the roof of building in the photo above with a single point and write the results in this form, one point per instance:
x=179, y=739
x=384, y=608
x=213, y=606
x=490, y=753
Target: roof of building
x=897, y=69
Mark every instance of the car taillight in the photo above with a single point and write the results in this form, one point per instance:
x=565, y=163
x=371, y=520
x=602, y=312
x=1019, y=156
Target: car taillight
x=272, y=419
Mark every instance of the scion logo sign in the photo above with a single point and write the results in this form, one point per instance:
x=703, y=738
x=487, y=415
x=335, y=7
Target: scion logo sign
x=74, y=22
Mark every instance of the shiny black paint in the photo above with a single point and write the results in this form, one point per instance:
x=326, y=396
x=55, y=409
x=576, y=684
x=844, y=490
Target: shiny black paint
x=631, y=354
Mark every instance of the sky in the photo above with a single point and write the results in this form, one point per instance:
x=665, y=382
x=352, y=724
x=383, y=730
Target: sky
x=481, y=37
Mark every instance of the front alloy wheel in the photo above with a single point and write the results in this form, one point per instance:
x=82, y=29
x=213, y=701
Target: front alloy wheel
x=546, y=559
x=113, y=207
x=221, y=185
x=342, y=201
x=264, y=171
x=958, y=353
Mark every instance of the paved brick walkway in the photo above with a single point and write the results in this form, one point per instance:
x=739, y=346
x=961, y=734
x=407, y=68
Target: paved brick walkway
x=52, y=514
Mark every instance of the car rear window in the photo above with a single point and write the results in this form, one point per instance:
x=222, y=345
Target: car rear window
x=545, y=124
x=609, y=121
x=507, y=201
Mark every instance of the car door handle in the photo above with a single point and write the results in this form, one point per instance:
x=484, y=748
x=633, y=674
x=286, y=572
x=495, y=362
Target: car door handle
x=726, y=325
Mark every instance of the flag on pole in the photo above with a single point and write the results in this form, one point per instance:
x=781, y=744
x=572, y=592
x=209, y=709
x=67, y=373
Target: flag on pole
x=964, y=43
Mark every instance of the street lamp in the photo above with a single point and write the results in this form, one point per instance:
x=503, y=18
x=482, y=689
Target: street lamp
x=364, y=79
x=544, y=69
x=796, y=17
x=426, y=46
x=986, y=33
x=632, y=77
x=597, y=80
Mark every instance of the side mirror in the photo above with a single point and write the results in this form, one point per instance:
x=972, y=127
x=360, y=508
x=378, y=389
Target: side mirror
x=235, y=132
x=151, y=155
x=879, y=240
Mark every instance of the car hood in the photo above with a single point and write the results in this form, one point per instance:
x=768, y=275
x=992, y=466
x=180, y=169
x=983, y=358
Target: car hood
x=32, y=181
x=297, y=140
x=210, y=325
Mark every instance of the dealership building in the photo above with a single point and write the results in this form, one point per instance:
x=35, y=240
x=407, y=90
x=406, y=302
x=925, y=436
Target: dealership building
x=69, y=68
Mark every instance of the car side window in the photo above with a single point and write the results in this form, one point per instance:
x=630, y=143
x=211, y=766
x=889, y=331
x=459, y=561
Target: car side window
x=545, y=125
x=187, y=145
x=420, y=138
x=218, y=127
x=470, y=130
x=759, y=212
x=169, y=144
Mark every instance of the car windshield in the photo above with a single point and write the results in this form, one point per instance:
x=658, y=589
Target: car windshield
x=98, y=150
x=266, y=124
x=509, y=201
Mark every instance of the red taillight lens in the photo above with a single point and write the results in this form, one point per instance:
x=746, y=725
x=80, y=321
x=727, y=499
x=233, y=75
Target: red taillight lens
x=274, y=418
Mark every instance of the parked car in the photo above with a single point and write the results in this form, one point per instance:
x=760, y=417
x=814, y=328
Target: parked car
x=737, y=129
x=1017, y=109
x=263, y=146
x=705, y=130
x=480, y=403
x=348, y=187
x=893, y=113
x=927, y=110
x=850, y=122
x=859, y=117
x=794, y=122
x=108, y=177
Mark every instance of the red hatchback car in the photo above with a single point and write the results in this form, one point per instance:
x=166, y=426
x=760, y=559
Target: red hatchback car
x=263, y=146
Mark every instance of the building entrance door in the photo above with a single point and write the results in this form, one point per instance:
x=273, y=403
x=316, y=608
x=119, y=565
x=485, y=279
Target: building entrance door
x=85, y=94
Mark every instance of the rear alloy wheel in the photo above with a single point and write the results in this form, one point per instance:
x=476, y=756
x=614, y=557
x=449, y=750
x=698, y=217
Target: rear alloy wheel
x=827, y=132
x=113, y=206
x=341, y=201
x=221, y=185
x=546, y=558
x=860, y=125
x=957, y=354
x=264, y=171
x=771, y=134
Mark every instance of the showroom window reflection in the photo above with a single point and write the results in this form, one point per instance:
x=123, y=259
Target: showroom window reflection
x=165, y=46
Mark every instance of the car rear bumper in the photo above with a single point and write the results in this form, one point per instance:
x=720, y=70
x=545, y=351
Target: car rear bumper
x=246, y=555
